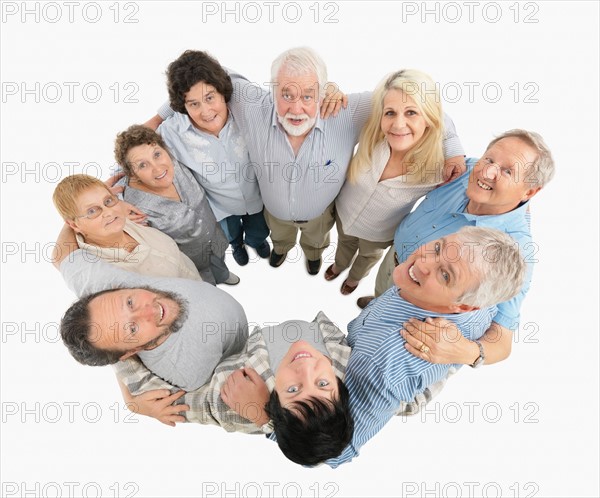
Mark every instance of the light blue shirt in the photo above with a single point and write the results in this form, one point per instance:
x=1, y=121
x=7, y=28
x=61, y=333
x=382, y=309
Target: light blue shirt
x=442, y=212
x=381, y=373
x=220, y=164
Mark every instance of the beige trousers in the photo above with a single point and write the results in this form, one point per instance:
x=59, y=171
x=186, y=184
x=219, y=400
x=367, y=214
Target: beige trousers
x=368, y=253
x=384, y=276
x=314, y=234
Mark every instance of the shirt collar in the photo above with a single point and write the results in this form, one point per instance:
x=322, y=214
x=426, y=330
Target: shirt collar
x=499, y=220
x=184, y=124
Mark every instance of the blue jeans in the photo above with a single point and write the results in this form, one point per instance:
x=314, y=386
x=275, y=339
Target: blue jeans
x=249, y=228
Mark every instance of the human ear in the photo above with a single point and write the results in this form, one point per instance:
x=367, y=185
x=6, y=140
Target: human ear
x=73, y=225
x=462, y=308
x=129, y=354
x=530, y=193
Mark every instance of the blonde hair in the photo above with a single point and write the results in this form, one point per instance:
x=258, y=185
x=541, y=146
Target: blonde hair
x=427, y=155
x=69, y=189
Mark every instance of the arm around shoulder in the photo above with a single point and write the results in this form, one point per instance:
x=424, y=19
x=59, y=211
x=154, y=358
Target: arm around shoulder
x=66, y=243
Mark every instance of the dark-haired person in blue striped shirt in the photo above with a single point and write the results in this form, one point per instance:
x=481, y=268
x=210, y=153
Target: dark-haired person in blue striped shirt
x=459, y=277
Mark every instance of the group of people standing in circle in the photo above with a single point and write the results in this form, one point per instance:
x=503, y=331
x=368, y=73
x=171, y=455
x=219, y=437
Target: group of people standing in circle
x=211, y=169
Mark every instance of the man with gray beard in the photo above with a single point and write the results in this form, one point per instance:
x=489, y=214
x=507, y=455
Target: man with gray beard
x=121, y=314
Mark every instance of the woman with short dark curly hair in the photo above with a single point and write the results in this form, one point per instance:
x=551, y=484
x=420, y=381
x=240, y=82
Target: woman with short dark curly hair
x=204, y=136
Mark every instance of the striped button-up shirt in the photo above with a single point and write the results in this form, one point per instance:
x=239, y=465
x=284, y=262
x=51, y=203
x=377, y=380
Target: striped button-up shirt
x=297, y=187
x=381, y=373
x=206, y=405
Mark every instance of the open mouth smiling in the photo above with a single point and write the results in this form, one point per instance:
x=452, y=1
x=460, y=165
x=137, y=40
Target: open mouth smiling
x=161, y=312
x=300, y=355
x=411, y=274
x=483, y=186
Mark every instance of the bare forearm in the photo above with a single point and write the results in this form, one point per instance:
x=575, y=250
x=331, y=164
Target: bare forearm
x=66, y=243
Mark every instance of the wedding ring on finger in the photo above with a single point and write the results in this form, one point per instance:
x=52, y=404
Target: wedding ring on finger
x=424, y=349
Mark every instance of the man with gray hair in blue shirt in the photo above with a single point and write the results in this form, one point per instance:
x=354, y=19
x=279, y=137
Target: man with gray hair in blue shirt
x=459, y=277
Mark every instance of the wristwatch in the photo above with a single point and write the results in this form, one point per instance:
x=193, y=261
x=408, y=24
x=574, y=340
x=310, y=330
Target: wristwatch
x=481, y=359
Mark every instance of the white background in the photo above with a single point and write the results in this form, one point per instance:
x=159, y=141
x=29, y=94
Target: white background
x=532, y=429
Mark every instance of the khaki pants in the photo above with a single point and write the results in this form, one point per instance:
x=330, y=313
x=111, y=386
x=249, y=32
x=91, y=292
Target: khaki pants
x=368, y=253
x=384, y=276
x=314, y=234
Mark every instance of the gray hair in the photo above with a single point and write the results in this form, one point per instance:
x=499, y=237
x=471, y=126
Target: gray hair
x=541, y=171
x=496, y=259
x=300, y=61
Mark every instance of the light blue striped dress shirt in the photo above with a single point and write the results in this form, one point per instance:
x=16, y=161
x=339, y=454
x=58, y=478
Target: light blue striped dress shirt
x=297, y=187
x=381, y=373
x=442, y=212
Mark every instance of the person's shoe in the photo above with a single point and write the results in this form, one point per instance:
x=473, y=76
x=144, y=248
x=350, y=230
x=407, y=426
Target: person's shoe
x=276, y=260
x=263, y=250
x=240, y=255
x=348, y=289
x=362, y=302
x=313, y=266
x=330, y=274
x=233, y=279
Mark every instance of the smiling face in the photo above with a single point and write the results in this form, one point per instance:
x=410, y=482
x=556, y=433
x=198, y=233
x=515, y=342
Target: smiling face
x=206, y=108
x=108, y=224
x=402, y=122
x=297, y=102
x=152, y=166
x=436, y=275
x=131, y=320
x=498, y=182
x=305, y=373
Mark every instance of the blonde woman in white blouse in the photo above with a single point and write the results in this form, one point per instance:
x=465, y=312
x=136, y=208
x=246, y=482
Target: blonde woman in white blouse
x=399, y=159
